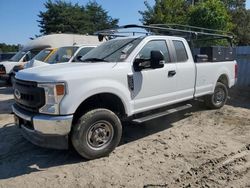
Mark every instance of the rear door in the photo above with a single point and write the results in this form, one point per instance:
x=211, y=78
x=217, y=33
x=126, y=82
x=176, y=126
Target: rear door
x=185, y=74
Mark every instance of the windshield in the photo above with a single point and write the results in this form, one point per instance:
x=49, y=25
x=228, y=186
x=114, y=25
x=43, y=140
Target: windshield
x=18, y=56
x=63, y=54
x=116, y=50
x=41, y=56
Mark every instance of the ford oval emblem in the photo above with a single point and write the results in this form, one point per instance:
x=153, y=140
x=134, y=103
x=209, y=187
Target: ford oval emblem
x=17, y=94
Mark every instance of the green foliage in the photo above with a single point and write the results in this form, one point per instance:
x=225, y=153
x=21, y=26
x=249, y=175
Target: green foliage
x=65, y=17
x=229, y=4
x=97, y=19
x=210, y=14
x=207, y=13
x=234, y=4
x=165, y=11
x=241, y=19
x=8, y=48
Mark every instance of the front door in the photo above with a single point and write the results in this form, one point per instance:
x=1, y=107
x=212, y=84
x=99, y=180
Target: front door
x=154, y=88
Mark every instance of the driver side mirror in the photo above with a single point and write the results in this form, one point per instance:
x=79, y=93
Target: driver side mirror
x=156, y=59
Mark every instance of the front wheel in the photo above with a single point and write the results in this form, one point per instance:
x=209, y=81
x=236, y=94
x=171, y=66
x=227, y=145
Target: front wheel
x=11, y=79
x=96, y=134
x=219, y=98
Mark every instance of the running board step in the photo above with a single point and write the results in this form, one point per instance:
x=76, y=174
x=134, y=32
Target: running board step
x=160, y=114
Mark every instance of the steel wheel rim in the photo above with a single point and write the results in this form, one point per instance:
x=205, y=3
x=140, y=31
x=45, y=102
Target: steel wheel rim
x=99, y=135
x=219, y=96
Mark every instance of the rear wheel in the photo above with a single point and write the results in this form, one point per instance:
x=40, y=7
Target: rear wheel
x=218, y=98
x=96, y=133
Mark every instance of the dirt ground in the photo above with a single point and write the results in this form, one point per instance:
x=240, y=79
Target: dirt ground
x=195, y=148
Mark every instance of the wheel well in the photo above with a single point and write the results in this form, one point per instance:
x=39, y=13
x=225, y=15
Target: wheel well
x=103, y=100
x=223, y=79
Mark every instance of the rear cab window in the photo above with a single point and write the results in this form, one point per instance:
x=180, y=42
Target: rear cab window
x=181, y=53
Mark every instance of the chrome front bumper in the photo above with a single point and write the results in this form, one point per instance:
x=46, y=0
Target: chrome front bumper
x=44, y=130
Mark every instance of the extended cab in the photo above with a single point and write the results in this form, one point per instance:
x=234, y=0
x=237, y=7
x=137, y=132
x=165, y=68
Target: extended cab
x=122, y=79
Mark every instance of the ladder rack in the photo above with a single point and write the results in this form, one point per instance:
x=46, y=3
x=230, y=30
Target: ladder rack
x=190, y=33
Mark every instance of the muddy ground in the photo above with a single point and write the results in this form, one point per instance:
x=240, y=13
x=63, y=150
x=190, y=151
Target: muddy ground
x=194, y=148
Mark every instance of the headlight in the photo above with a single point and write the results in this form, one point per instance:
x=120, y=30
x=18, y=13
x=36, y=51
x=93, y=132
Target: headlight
x=54, y=93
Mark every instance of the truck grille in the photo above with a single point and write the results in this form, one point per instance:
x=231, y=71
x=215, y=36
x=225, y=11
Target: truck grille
x=28, y=96
x=2, y=69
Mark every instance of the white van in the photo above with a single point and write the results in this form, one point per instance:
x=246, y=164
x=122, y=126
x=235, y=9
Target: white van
x=66, y=54
x=35, y=46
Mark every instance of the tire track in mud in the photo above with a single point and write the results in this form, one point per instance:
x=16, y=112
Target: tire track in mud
x=217, y=172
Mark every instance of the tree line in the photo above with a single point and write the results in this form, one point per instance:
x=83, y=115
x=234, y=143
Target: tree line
x=227, y=15
x=64, y=17
x=8, y=48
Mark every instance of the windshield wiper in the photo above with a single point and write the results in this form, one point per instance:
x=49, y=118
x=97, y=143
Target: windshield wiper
x=94, y=60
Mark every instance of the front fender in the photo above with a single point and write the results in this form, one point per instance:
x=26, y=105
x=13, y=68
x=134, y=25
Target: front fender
x=78, y=93
x=10, y=65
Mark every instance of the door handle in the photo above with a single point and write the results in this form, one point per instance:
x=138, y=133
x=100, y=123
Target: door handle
x=171, y=73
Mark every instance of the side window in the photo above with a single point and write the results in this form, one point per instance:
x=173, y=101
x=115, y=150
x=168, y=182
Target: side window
x=181, y=53
x=159, y=45
x=82, y=52
x=27, y=57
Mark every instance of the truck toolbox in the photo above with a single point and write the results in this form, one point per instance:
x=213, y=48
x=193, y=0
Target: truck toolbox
x=219, y=53
x=214, y=53
x=230, y=54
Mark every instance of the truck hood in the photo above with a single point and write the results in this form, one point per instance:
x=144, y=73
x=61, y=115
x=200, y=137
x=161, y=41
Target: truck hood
x=63, y=72
x=35, y=63
x=9, y=65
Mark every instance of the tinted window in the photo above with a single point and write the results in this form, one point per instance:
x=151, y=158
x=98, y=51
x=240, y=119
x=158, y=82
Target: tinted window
x=181, y=53
x=18, y=56
x=156, y=45
x=33, y=53
x=41, y=56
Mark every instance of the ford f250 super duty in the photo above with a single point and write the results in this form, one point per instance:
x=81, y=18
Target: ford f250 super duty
x=126, y=78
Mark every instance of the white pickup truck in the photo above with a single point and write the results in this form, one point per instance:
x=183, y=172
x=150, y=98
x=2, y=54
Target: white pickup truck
x=129, y=78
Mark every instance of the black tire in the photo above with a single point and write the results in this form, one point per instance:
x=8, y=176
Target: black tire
x=90, y=131
x=219, y=98
x=11, y=79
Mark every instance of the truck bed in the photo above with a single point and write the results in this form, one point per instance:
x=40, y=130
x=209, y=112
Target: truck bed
x=208, y=73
